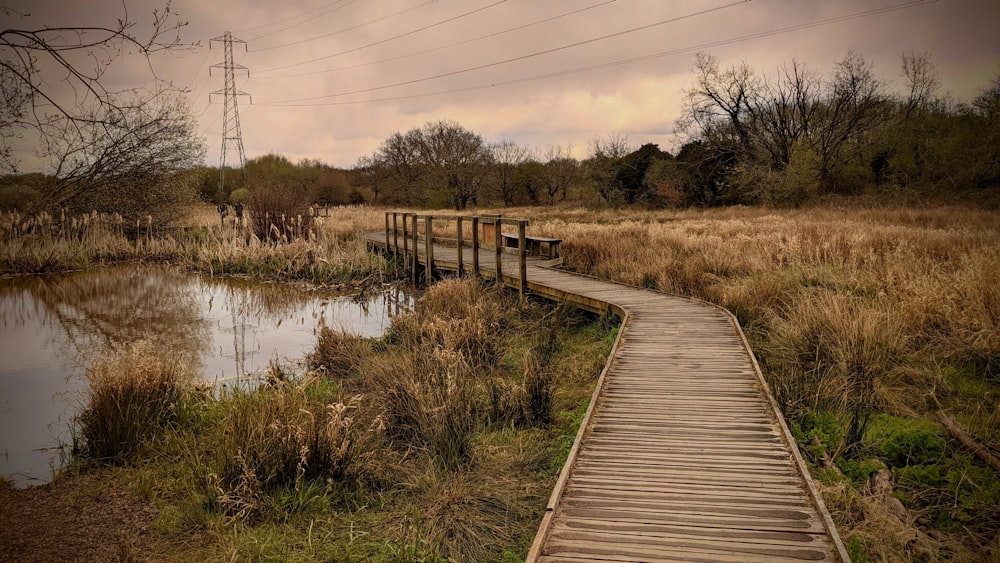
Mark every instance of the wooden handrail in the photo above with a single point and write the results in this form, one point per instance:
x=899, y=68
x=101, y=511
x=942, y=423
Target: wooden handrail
x=409, y=250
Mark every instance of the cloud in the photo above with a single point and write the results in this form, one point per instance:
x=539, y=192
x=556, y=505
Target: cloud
x=640, y=99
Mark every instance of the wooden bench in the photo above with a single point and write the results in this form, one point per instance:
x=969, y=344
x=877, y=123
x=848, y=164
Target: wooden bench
x=535, y=245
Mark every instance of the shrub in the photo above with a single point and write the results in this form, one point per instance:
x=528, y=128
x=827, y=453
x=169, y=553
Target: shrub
x=913, y=446
x=133, y=396
x=278, y=213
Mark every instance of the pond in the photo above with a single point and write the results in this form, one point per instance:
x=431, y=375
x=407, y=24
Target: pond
x=51, y=328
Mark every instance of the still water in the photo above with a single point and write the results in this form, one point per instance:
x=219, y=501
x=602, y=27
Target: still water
x=51, y=328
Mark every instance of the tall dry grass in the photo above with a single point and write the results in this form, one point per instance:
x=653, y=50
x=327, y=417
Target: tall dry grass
x=283, y=440
x=918, y=282
x=132, y=398
x=864, y=319
x=324, y=251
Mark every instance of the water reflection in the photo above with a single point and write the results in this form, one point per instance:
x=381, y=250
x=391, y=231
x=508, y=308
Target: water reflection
x=52, y=326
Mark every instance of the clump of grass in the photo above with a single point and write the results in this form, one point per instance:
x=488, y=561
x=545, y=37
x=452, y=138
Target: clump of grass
x=337, y=353
x=839, y=354
x=428, y=402
x=466, y=518
x=461, y=316
x=133, y=396
x=283, y=439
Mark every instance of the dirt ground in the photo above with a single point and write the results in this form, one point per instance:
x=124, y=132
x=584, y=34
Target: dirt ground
x=75, y=518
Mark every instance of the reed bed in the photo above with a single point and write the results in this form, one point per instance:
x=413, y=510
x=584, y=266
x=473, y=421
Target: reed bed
x=328, y=252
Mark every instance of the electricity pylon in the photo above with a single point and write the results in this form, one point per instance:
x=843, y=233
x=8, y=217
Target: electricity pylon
x=231, y=134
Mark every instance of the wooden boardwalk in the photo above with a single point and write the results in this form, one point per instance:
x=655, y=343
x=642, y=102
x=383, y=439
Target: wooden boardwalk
x=682, y=455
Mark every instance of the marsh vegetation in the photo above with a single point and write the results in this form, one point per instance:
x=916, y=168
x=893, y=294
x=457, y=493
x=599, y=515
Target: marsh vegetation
x=867, y=321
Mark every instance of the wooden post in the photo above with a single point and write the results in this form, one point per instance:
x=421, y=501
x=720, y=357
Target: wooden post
x=416, y=253
x=406, y=242
x=522, y=253
x=387, y=231
x=429, y=239
x=499, y=249
x=395, y=235
x=475, y=246
x=460, y=249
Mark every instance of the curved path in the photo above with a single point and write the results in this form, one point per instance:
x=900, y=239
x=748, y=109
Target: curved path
x=682, y=455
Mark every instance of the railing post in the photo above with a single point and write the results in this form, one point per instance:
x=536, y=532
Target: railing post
x=429, y=239
x=387, y=231
x=395, y=235
x=522, y=252
x=460, y=248
x=499, y=248
x=406, y=242
x=415, y=265
x=475, y=246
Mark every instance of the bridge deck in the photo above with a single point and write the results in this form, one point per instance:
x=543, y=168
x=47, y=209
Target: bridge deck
x=682, y=455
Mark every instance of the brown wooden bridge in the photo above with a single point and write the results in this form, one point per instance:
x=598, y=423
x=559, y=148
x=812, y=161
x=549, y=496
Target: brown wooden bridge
x=682, y=454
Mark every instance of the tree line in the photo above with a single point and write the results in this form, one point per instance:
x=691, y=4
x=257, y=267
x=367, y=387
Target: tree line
x=749, y=137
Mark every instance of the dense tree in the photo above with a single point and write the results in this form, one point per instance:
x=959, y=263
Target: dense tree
x=441, y=163
x=455, y=160
x=631, y=176
x=373, y=173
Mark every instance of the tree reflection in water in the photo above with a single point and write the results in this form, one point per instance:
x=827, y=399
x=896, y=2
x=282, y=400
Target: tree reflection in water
x=51, y=327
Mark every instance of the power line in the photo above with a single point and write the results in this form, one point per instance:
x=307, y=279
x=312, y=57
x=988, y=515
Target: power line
x=620, y=62
x=269, y=24
x=519, y=58
x=317, y=16
x=446, y=46
x=411, y=32
x=369, y=22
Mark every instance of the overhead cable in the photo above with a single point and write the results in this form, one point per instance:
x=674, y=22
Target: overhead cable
x=619, y=62
x=356, y=26
x=442, y=47
x=519, y=58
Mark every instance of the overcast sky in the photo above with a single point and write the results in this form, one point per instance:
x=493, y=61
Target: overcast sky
x=331, y=80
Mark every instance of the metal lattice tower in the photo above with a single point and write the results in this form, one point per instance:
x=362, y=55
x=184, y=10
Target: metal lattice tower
x=231, y=134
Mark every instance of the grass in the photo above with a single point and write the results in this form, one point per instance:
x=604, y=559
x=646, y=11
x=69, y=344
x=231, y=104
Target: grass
x=395, y=449
x=855, y=314
x=325, y=252
x=866, y=321
x=132, y=398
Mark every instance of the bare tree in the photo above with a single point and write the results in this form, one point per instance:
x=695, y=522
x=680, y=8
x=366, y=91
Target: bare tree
x=400, y=156
x=455, y=159
x=605, y=159
x=374, y=173
x=559, y=171
x=88, y=135
x=855, y=104
x=785, y=112
x=507, y=157
x=921, y=81
x=719, y=105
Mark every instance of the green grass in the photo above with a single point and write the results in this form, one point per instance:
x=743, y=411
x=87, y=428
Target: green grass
x=332, y=464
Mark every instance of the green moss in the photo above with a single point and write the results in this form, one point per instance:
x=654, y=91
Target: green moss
x=856, y=549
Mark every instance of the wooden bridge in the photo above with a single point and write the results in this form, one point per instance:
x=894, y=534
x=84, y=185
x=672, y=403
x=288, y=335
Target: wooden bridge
x=682, y=454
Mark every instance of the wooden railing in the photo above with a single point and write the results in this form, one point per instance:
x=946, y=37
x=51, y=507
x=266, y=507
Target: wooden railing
x=403, y=235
